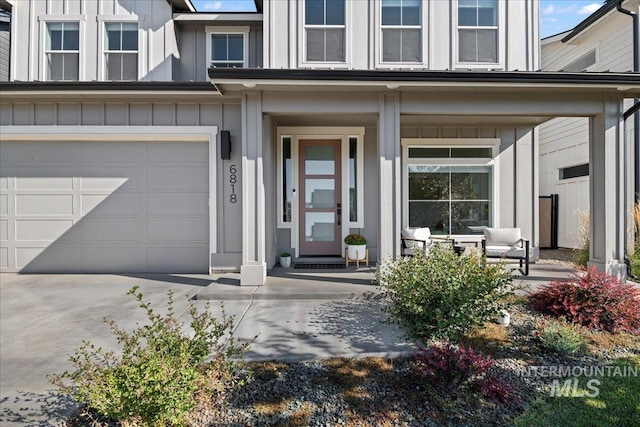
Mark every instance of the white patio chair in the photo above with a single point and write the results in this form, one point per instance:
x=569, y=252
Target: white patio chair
x=506, y=243
x=420, y=239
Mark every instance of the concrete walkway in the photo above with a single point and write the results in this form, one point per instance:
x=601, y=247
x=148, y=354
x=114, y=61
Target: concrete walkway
x=296, y=315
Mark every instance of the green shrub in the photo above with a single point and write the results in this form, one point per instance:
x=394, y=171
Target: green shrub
x=560, y=336
x=442, y=295
x=161, y=369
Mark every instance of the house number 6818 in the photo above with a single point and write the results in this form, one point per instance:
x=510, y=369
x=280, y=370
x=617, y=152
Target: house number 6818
x=233, y=197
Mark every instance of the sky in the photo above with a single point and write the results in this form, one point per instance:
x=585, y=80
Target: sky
x=556, y=16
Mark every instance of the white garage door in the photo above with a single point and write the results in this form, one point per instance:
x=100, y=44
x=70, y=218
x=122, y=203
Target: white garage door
x=104, y=207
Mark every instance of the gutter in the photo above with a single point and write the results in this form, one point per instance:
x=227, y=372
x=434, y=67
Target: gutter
x=636, y=131
x=254, y=76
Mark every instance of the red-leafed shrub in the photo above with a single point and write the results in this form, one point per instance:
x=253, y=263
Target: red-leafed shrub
x=592, y=299
x=450, y=368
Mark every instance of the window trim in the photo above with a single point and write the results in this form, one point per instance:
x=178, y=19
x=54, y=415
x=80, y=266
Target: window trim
x=493, y=163
x=46, y=19
x=501, y=28
x=243, y=30
x=424, y=38
x=302, y=39
x=102, y=21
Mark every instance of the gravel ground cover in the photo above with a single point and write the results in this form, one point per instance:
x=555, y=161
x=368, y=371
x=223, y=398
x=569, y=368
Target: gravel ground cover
x=389, y=392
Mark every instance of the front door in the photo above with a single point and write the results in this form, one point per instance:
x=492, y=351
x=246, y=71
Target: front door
x=320, y=198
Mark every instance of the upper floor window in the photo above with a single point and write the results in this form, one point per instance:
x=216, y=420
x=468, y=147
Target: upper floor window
x=401, y=31
x=227, y=50
x=121, y=51
x=478, y=31
x=325, y=30
x=62, y=50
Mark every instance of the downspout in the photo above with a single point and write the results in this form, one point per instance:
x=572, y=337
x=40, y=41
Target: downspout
x=636, y=131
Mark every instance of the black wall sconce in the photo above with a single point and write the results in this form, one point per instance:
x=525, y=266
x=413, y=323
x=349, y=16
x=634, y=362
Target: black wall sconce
x=225, y=145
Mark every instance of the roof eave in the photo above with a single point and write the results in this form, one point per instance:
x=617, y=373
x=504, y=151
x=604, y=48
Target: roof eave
x=592, y=19
x=251, y=78
x=182, y=5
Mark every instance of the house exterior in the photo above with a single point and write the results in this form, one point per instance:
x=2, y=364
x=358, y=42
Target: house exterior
x=341, y=116
x=602, y=42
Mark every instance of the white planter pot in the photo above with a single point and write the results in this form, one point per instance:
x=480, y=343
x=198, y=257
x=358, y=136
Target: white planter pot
x=504, y=318
x=285, y=261
x=357, y=251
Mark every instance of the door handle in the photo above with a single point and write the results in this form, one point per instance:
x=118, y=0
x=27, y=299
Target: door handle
x=339, y=213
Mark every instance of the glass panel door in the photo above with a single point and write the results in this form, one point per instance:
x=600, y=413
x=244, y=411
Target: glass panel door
x=320, y=198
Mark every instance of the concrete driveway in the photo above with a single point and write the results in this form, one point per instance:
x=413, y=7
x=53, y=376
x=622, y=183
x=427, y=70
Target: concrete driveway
x=43, y=318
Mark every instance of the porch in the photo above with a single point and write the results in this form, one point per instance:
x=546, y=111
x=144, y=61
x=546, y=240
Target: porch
x=350, y=283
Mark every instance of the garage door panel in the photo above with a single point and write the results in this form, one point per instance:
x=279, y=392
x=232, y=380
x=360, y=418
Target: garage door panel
x=127, y=259
x=44, y=204
x=113, y=178
x=178, y=229
x=114, y=204
x=4, y=204
x=114, y=152
x=178, y=178
x=112, y=229
x=4, y=258
x=41, y=151
x=177, y=203
x=44, y=183
x=4, y=229
x=178, y=259
x=59, y=257
x=42, y=230
x=104, y=207
x=185, y=152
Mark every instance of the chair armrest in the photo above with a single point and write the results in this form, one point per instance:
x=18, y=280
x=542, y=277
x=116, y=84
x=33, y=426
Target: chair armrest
x=412, y=240
x=442, y=238
x=404, y=241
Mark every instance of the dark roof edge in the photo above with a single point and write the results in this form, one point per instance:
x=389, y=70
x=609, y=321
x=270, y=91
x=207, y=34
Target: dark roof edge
x=592, y=19
x=110, y=86
x=423, y=76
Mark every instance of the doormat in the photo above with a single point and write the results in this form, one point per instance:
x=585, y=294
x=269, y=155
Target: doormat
x=307, y=266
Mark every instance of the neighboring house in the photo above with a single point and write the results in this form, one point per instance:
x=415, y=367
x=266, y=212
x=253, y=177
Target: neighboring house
x=603, y=42
x=342, y=116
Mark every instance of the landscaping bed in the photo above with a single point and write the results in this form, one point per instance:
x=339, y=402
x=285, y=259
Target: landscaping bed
x=379, y=391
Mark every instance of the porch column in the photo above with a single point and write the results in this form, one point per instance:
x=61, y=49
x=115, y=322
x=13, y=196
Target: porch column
x=253, y=270
x=390, y=177
x=606, y=189
x=526, y=197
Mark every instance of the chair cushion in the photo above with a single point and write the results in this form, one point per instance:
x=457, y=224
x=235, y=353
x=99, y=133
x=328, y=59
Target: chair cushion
x=505, y=251
x=502, y=236
x=423, y=233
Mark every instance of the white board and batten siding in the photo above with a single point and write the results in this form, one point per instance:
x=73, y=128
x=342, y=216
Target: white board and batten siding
x=157, y=45
x=122, y=203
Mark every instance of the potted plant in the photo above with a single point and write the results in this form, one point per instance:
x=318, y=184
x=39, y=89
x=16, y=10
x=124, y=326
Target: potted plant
x=285, y=259
x=356, y=246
